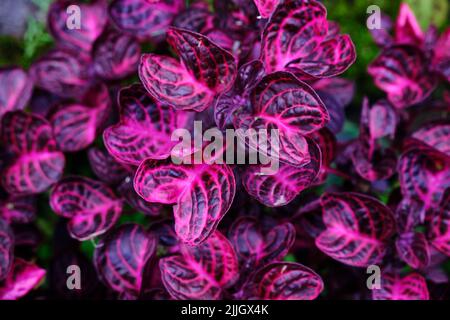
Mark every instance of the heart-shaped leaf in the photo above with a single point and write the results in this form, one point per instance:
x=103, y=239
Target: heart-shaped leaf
x=282, y=103
x=147, y=21
x=91, y=206
x=205, y=71
x=36, y=164
x=145, y=128
x=77, y=125
x=22, y=278
x=358, y=227
x=6, y=248
x=202, y=194
x=256, y=247
x=121, y=257
x=401, y=71
x=116, y=56
x=15, y=89
x=296, y=39
x=92, y=22
x=284, y=281
x=201, y=272
x=395, y=287
x=283, y=185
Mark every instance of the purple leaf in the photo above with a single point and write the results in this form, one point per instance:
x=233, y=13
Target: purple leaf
x=441, y=58
x=394, y=287
x=266, y=7
x=284, y=281
x=204, y=71
x=147, y=21
x=413, y=248
x=23, y=278
x=121, y=257
x=105, y=167
x=407, y=28
x=36, y=163
x=15, y=89
x=116, y=56
x=439, y=228
x=202, y=194
x=130, y=196
x=92, y=22
x=358, y=228
x=196, y=17
x=145, y=127
x=201, y=272
x=6, y=249
x=296, y=39
x=402, y=72
x=91, y=206
x=436, y=135
x=77, y=125
x=17, y=209
x=255, y=246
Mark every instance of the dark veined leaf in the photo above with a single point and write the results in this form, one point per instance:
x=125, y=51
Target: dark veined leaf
x=36, y=163
x=204, y=71
x=196, y=17
x=77, y=125
x=266, y=7
x=358, y=228
x=202, y=194
x=285, y=183
x=282, y=103
x=17, y=209
x=413, y=248
x=145, y=128
x=201, y=272
x=284, y=281
x=15, y=89
x=91, y=206
x=105, y=167
x=122, y=256
x=126, y=190
x=62, y=72
x=6, y=248
x=23, y=277
x=395, y=287
x=116, y=56
x=296, y=39
x=436, y=135
x=326, y=141
x=256, y=246
x=401, y=71
x=440, y=226
x=92, y=22
x=147, y=21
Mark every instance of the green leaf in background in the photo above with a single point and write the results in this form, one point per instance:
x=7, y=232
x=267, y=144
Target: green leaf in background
x=36, y=38
x=290, y=258
x=430, y=12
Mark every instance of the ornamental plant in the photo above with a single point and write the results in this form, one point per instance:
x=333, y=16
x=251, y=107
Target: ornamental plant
x=88, y=178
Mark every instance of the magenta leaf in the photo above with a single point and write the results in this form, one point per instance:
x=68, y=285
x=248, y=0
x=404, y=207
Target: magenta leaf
x=255, y=246
x=145, y=127
x=441, y=58
x=413, y=248
x=61, y=72
x=266, y=7
x=326, y=141
x=395, y=287
x=91, y=206
x=77, y=125
x=401, y=71
x=6, y=248
x=36, y=163
x=358, y=228
x=202, y=272
x=202, y=194
x=196, y=18
x=93, y=21
x=116, y=56
x=17, y=209
x=424, y=174
x=284, y=281
x=282, y=102
x=296, y=39
x=105, y=167
x=15, y=89
x=436, y=135
x=145, y=20
x=407, y=28
x=280, y=188
x=121, y=258
x=205, y=70
x=440, y=226
x=22, y=278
